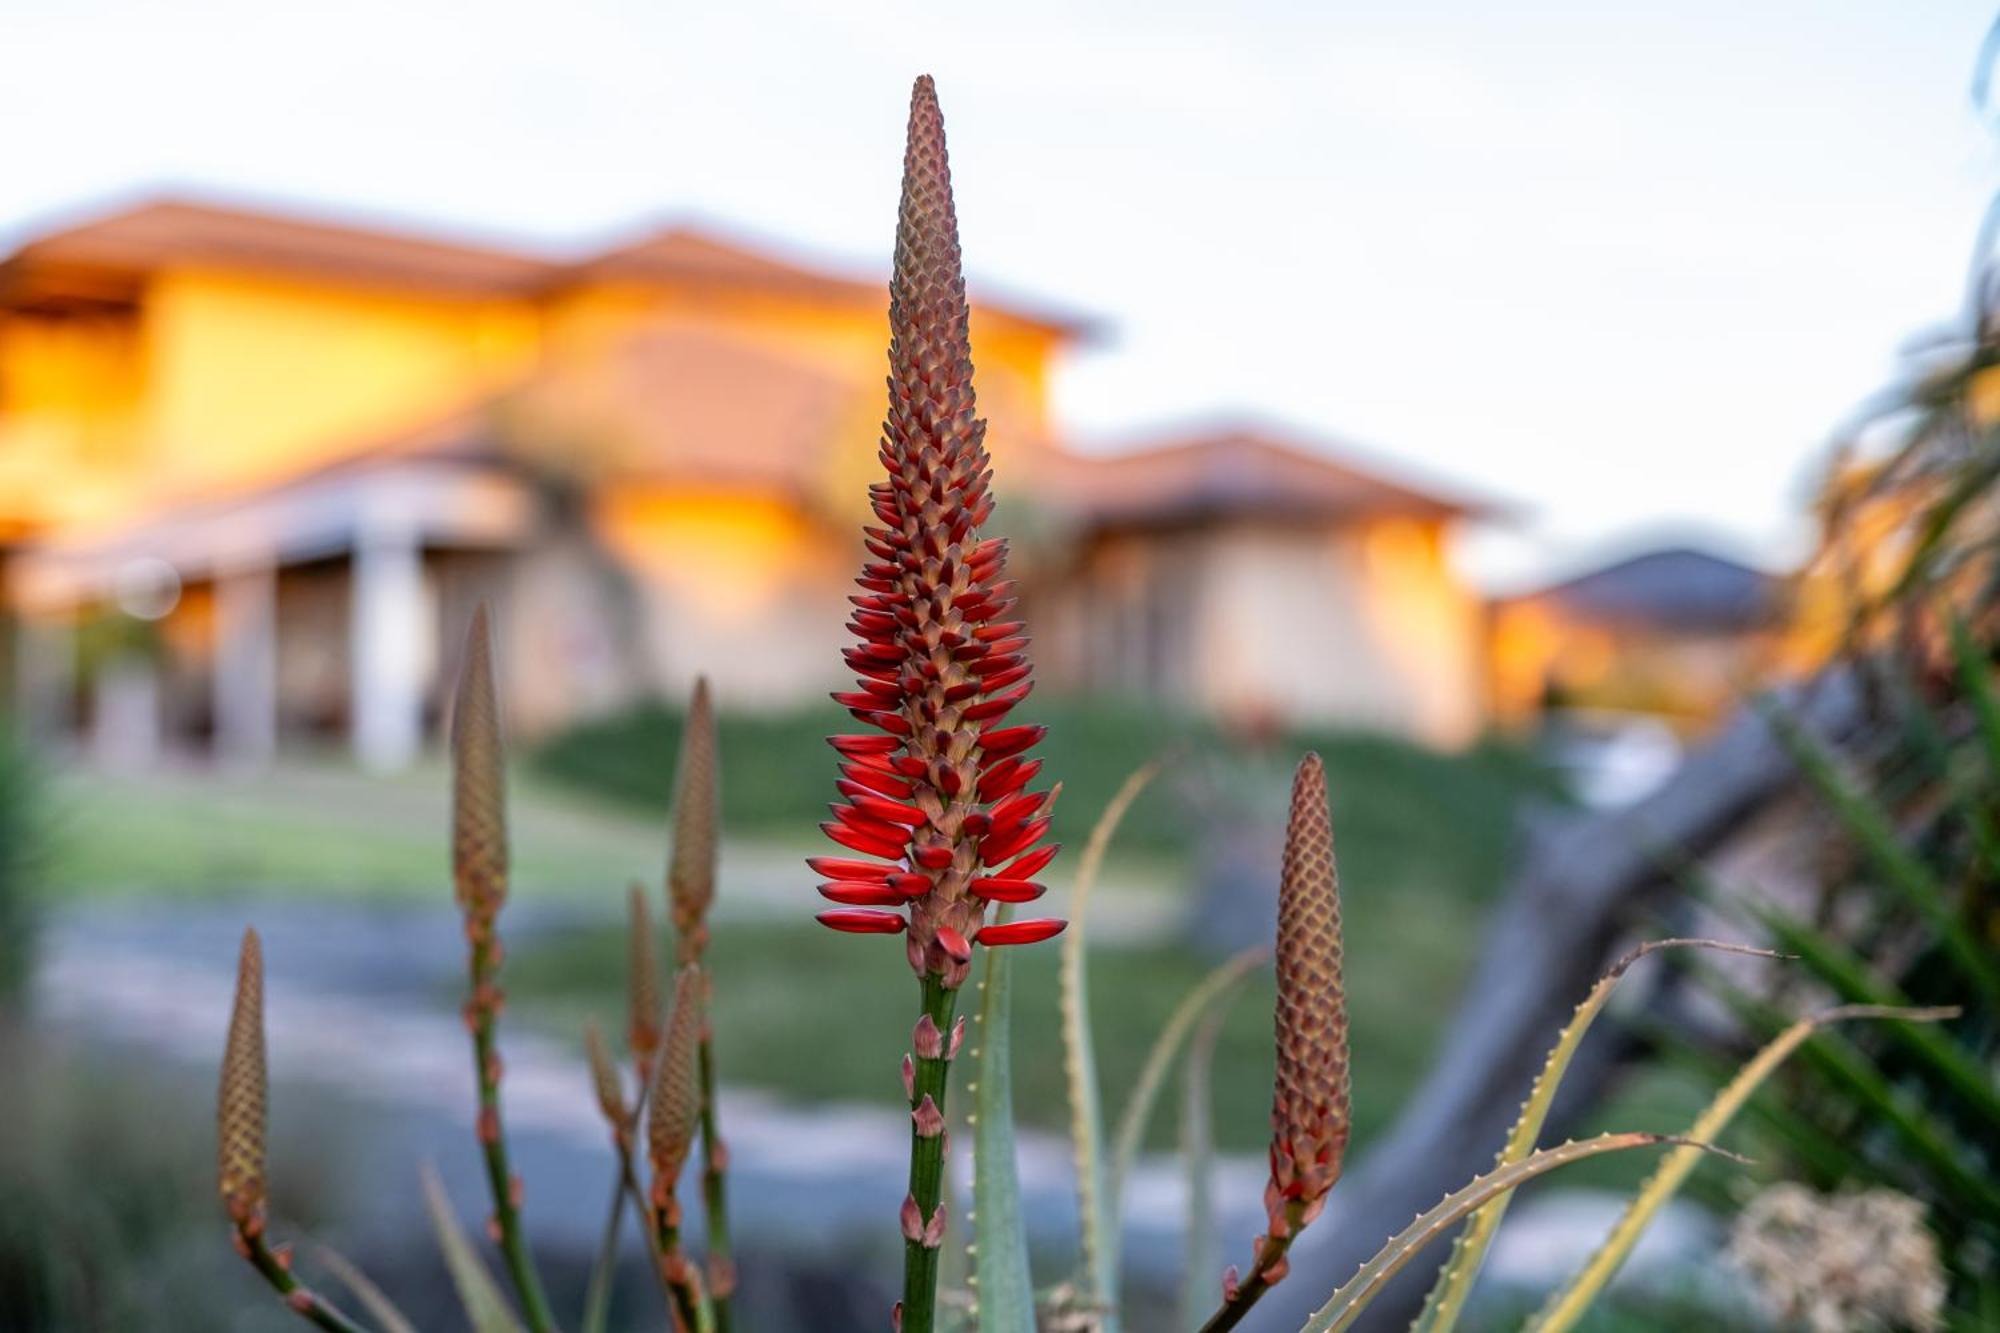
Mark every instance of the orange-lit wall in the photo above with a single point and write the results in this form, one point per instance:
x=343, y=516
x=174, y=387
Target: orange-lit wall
x=255, y=376
x=71, y=392
x=222, y=378
x=1691, y=679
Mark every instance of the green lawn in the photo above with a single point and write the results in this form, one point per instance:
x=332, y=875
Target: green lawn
x=1424, y=840
x=1401, y=812
x=318, y=829
x=805, y=1012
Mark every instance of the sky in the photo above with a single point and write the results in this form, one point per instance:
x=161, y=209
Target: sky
x=1622, y=268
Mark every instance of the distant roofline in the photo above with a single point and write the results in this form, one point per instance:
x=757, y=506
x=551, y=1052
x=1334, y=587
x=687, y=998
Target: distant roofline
x=1211, y=429
x=1630, y=549
x=542, y=267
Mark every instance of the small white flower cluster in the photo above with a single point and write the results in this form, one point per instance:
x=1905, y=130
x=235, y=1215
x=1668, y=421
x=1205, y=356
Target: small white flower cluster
x=1860, y=1261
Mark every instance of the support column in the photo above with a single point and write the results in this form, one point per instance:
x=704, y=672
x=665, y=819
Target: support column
x=390, y=639
x=246, y=666
x=125, y=733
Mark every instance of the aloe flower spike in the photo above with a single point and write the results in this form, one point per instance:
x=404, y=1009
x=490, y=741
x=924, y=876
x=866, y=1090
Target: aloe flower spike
x=936, y=805
x=1309, y=1098
x=242, y=1129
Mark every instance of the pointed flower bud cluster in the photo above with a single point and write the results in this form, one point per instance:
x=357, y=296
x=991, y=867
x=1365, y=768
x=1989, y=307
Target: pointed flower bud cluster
x=691, y=864
x=937, y=806
x=673, y=1110
x=1309, y=1110
x=241, y=1102
x=642, y=1024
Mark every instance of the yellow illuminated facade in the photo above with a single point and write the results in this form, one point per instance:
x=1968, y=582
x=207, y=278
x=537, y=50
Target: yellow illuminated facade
x=321, y=445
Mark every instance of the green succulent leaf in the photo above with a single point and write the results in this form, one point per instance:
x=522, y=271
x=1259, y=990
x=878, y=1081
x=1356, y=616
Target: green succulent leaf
x=1086, y=1112
x=1448, y=1294
x=1352, y=1300
x=366, y=1294
x=1006, y=1298
x=485, y=1308
x=1202, y=1258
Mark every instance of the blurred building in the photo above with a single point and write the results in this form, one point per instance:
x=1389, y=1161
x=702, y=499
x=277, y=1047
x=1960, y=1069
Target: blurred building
x=256, y=470
x=1674, y=635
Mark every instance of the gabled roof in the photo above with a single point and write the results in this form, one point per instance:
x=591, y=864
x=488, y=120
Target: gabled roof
x=106, y=257
x=693, y=255
x=147, y=237
x=1240, y=471
x=1678, y=587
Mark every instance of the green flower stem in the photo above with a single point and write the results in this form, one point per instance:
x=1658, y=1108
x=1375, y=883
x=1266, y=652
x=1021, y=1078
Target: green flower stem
x=920, y=1261
x=692, y=1313
x=714, y=1193
x=493, y=1139
x=597, y=1298
x=307, y=1303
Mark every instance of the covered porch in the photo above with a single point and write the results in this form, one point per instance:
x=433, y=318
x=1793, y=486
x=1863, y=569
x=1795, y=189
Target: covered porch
x=320, y=613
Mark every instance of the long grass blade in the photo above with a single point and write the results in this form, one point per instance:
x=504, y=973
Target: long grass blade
x=1086, y=1113
x=1569, y=1304
x=485, y=1308
x=1449, y=1293
x=1006, y=1293
x=1841, y=1064
x=1352, y=1300
x=1211, y=995
x=1903, y=871
x=1975, y=674
x=1849, y=978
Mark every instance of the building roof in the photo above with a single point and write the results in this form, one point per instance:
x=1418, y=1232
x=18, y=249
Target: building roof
x=1678, y=587
x=686, y=404
x=1239, y=471
x=104, y=258
x=126, y=245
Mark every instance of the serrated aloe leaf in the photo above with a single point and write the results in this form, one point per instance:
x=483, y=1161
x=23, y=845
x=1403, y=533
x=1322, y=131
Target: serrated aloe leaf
x=1448, y=1294
x=1201, y=1258
x=1086, y=1112
x=1211, y=995
x=485, y=1308
x=1349, y=1303
x=1570, y=1302
x=1006, y=1295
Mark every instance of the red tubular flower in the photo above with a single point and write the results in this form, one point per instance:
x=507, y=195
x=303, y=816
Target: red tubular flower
x=1032, y=931
x=937, y=792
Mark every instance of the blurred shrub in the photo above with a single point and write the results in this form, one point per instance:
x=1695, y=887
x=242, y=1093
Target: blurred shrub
x=1393, y=796
x=20, y=852
x=108, y=1220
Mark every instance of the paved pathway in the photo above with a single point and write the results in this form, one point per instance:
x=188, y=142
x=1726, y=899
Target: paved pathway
x=363, y=1033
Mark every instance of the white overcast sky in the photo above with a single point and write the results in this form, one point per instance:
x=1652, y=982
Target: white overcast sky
x=1622, y=265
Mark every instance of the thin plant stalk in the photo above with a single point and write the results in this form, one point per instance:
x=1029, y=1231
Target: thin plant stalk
x=715, y=1188
x=479, y=871
x=691, y=883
